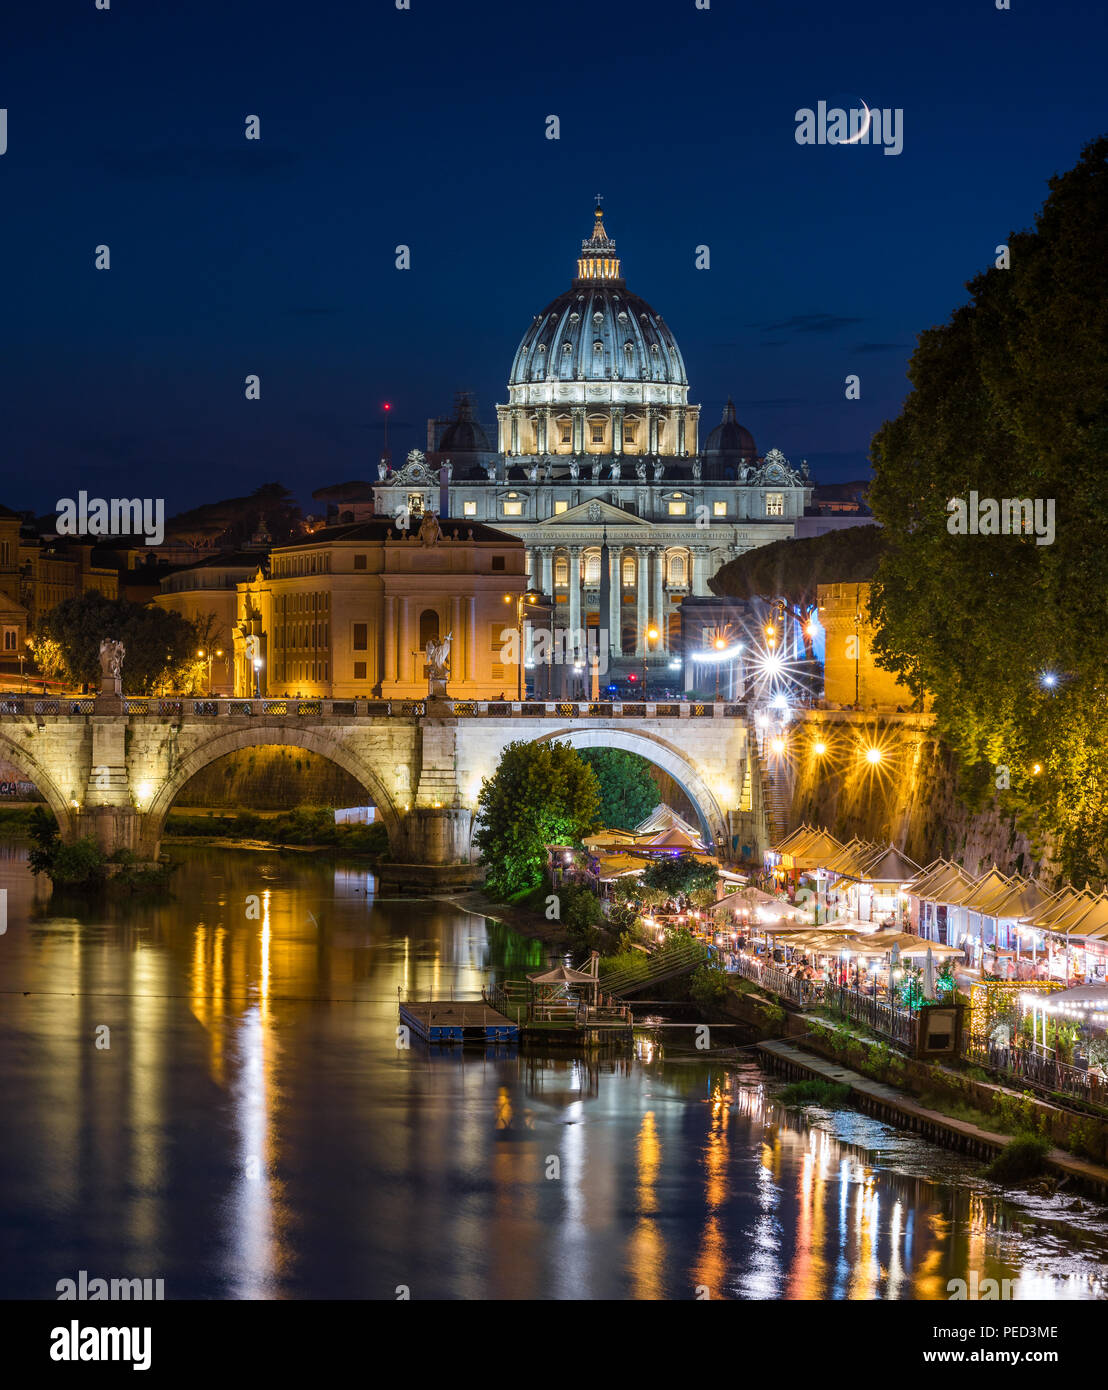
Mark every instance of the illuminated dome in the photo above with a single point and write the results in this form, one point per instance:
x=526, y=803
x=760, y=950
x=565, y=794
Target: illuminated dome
x=597, y=330
x=599, y=348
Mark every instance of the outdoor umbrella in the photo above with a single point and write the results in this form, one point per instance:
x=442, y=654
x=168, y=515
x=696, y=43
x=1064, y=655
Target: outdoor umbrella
x=929, y=974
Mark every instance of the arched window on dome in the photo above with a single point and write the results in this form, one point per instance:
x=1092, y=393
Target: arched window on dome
x=630, y=431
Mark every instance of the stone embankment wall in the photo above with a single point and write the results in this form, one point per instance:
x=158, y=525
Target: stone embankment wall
x=908, y=797
x=272, y=779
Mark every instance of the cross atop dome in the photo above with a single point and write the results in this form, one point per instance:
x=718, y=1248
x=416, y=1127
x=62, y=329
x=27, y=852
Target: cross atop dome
x=598, y=260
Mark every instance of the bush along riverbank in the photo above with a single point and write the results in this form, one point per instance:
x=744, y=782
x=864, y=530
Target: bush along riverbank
x=962, y=1094
x=84, y=867
x=306, y=827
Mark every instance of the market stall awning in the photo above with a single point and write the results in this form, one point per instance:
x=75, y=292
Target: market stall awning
x=978, y=895
x=891, y=865
x=664, y=817
x=794, y=837
x=671, y=838
x=562, y=975
x=1022, y=896
x=948, y=887
x=619, y=866
x=1066, y=907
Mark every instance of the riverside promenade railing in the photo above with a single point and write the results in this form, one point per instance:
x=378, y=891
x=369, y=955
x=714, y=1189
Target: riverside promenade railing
x=1038, y=1069
x=895, y=1023
x=263, y=706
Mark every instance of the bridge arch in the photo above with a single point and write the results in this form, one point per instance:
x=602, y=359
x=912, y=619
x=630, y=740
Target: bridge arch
x=713, y=819
x=56, y=799
x=274, y=735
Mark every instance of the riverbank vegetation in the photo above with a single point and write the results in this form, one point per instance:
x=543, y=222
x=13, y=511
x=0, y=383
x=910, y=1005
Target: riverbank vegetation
x=304, y=826
x=83, y=866
x=831, y=1095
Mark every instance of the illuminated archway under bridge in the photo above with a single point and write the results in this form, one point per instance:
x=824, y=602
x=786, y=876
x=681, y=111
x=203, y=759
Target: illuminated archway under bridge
x=115, y=776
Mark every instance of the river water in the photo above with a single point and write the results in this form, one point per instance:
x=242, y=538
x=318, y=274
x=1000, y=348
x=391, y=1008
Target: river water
x=208, y=1090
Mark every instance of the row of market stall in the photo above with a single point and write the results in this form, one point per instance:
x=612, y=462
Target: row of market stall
x=1004, y=925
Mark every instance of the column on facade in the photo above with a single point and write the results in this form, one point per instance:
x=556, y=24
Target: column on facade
x=515, y=431
x=578, y=429
x=658, y=617
x=456, y=629
x=700, y=572
x=651, y=429
x=544, y=431
x=575, y=591
x=615, y=610
x=642, y=610
x=547, y=581
x=390, y=637
x=404, y=666
x=680, y=430
x=617, y=429
x=471, y=639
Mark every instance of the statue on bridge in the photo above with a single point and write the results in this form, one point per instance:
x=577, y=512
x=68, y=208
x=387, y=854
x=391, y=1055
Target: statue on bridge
x=111, y=668
x=438, y=665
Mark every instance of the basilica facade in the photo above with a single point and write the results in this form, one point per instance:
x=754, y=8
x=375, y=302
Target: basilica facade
x=598, y=445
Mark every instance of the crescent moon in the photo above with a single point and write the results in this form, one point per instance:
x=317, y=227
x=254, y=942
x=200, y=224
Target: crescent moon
x=854, y=139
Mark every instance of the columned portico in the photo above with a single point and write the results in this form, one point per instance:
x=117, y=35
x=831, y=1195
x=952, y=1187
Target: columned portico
x=575, y=588
x=615, y=610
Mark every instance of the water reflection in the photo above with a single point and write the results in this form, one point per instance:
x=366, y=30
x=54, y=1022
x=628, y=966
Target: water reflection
x=255, y=1131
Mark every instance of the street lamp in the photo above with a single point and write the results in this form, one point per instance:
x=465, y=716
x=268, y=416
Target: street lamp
x=203, y=655
x=521, y=601
x=257, y=677
x=652, y=635
x=720, y=645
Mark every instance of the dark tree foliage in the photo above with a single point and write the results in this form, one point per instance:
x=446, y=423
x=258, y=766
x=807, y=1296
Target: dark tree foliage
x=541, y=794
x=628, y=793
x=793, y=570
x=158, y=644
x=1009, y=401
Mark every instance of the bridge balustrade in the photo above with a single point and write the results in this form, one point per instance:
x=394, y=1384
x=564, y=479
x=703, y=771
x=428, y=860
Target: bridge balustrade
x=238, y=707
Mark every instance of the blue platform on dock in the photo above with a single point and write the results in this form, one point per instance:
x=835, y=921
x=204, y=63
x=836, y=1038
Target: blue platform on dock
x=458, y=1021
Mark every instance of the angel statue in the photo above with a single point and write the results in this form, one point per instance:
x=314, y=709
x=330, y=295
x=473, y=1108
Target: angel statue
x=111, y=657
x=640, y=470
x=596, y=470
x=615, y=472
x=430, y=532
x=111, y=667
x=437, y=656
x=574, y=469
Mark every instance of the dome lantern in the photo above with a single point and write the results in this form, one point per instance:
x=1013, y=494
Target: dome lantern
x=598, y=259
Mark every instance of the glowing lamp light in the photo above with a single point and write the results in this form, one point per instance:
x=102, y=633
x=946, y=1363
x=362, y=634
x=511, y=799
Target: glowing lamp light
x=778, y=745
x=819, y=749
x=1049, y=679
x=873, y=755
x=719, y=644
x=1036, y=768
x=652, y=634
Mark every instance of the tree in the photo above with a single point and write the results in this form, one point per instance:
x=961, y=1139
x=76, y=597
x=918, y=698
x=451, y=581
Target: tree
x=160, y=647
x=791, y=571
x=679, y=876
x=1010, y=401
x=540, y=794
x=628, y=793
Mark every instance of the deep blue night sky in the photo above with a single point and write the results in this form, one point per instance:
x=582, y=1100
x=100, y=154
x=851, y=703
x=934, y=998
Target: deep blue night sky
x=427, y=127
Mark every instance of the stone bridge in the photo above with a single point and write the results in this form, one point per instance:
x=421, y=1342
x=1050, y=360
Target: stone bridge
x=115, y=775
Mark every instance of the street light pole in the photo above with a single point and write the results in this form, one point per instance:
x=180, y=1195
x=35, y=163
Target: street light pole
x=651, y=636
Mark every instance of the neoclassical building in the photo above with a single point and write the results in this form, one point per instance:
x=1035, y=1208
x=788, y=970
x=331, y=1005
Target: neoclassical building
x=349, y=612
x=598, y=440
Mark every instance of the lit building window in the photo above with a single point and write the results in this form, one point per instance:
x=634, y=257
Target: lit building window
x=469, y=508
x=628, y=434
x=513, y=508
x=719, y=508
x=677, y=569
x=566, y=435
x=775, y=504
x=629, y=572
x=560, y=507
x=592, y=567
x=415, y=503
x=598, y=434
x=678, y=508
x=561, y=573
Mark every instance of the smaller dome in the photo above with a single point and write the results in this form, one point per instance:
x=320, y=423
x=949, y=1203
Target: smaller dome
x=464, y=434
x=730, y=442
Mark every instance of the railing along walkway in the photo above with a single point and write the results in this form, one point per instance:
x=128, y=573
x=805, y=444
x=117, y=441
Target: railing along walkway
x=290, y=706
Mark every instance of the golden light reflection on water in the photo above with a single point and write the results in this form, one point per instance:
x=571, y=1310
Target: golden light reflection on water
x=674, y=1174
